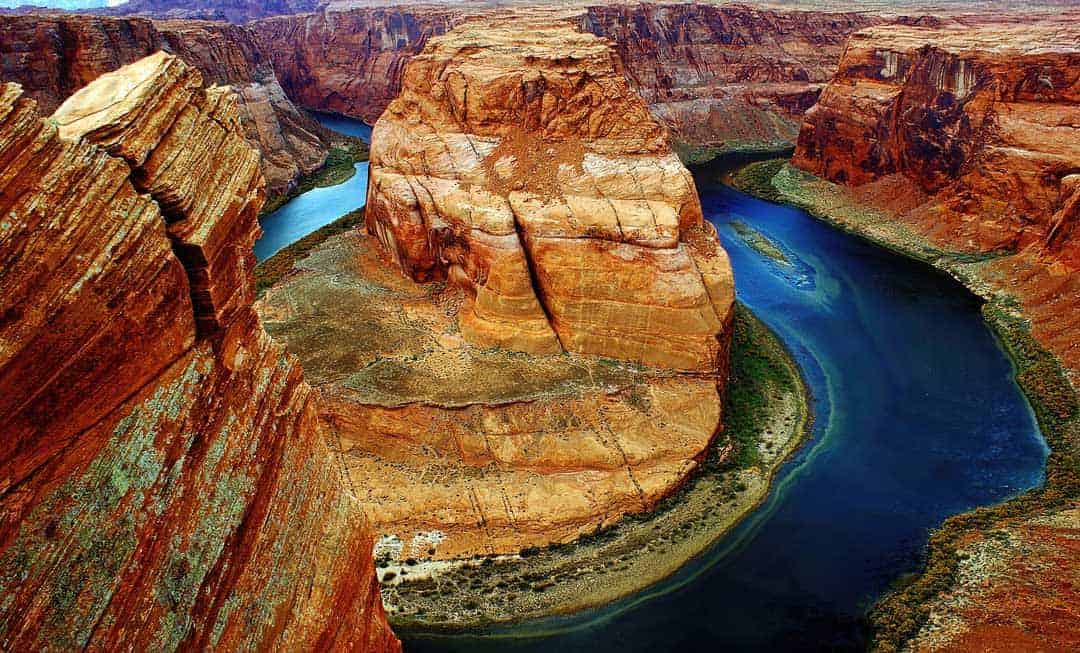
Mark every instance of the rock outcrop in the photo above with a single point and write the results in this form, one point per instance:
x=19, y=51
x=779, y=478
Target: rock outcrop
x=54, y=56
x=970, y=136
x=349, y=61
x=541, y=221
x=164, y=478
x=726, y=78
x=530, y=173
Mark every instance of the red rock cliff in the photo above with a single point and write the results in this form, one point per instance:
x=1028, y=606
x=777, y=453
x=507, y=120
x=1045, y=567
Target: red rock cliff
x=721, y=78
x=51, y=57
x=518, y=162
x=351, y=61
x=726, y=77
x=164, y=481
x=970, y=134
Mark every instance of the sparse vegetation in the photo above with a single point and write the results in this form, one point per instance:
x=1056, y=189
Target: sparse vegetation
x=277, y=266
x=340, y=166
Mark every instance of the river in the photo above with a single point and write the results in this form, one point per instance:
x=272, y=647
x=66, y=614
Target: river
x=320, y=206
x=917, y=417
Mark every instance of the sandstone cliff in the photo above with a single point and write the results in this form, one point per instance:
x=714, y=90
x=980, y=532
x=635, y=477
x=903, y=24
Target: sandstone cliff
x=531, y=174
x=349, y=61
x=721, y=78
x=54, y=56
x=164, y=477
x=726, y=78
x=542, y=222
x=970, y=136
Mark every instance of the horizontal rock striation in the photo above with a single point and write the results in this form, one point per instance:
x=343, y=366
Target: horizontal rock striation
x=349, y=61
x=721, y=78
x=726, y=78
x=54, y=56
x=518, y=163
x=234, y=11
x=970, y=135
x=164, y=482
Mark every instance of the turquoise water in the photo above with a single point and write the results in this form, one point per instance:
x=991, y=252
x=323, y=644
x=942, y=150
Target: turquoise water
x=317, y=207
x=917, y=417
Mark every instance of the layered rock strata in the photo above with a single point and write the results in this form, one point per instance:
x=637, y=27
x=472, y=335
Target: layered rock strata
x=970, y=137
x=541, y=222
x=54, y=56
x=518, y=164
x=726, y=78
x=164, y=477
x=720, y=78
x=349, y=61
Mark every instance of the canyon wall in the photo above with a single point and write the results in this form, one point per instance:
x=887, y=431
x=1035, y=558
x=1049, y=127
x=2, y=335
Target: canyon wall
x=165, y=481
x=349, y=62
x=720, y=78
x=51, y=57
x=726, y=78
x=969, y=135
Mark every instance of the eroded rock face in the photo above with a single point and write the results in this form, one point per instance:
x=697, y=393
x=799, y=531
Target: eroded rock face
x=982, y=118
x=726, y=78
x=164, y=477
x=969, y=134
x=54, y=56
x=519, y=164
x=720, y=78
x=349, y=61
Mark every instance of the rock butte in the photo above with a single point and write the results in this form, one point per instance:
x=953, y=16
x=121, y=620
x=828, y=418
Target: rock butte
x=524, y=185
x=51, y=57
x=164, y=480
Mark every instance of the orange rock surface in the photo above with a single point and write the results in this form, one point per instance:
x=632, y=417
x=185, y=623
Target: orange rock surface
x=518, y=164
x=54, y=56
x=541, y=221
x=164, y=481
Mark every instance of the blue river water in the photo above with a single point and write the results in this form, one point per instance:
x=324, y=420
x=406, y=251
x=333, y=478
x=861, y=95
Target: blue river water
x=320, y=206
x=917, y=417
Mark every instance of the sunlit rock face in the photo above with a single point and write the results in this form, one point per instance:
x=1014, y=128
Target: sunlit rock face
x=164, y=478
x=726, y=78
x=969, y=134
x=54, y=56
x=518, y=163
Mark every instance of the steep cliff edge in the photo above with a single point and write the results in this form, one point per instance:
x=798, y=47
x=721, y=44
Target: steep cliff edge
x=563, y=321
x=51, y=57
x=164, y=481
x=720, y=78
x=350, y=61
x=726, y=78
x=970, y=137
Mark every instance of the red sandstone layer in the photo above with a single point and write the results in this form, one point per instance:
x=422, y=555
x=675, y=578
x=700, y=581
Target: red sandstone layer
x=53, y=56
x=164, y=478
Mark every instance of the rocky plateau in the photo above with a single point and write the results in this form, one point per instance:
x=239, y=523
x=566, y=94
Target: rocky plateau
x=164, y=474
x=553, y=314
